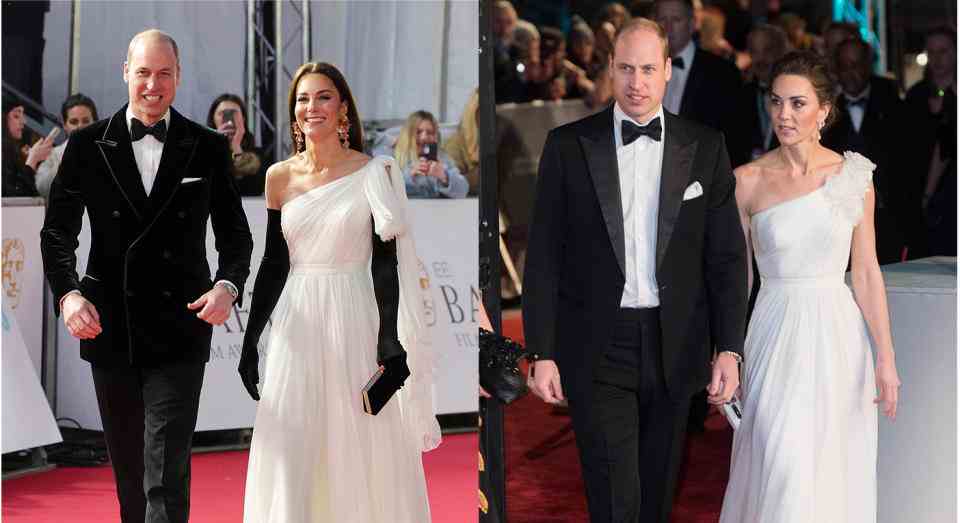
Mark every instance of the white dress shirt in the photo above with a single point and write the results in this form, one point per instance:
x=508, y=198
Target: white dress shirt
x=857, y=111
x=678, y=80
x=147, y=152
x=639, y=164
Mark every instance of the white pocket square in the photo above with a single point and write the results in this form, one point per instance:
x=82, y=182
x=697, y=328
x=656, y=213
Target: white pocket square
x=189, y=180
x=694, y=190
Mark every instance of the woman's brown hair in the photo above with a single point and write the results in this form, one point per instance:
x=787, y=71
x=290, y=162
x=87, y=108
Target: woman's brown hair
x=814, y=68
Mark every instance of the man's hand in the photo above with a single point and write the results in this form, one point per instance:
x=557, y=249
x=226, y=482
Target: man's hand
x=216, y=304
x=725, y=380
x=80, y=317
x=544, y=381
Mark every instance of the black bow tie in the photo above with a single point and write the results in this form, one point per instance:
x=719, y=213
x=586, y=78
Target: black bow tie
x=138, y=130
x=632, y=131
x=677, y=62
x=859, y=102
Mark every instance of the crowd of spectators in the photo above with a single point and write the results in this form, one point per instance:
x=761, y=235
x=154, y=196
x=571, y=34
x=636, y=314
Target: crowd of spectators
x=722, y=55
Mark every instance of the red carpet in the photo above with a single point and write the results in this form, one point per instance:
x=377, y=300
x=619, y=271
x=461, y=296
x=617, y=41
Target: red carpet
x=543, y=470
x=83, y=495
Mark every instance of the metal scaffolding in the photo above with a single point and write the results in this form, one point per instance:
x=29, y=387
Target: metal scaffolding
x=267, y=70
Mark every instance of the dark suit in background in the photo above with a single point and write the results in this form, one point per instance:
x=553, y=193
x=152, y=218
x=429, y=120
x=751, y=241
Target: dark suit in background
x=875, y=140
x=147, y=261
x=629, y=374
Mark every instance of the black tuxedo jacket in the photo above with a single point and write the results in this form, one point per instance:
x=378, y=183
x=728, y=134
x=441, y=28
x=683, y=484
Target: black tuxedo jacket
x=748, y=134
x=574, y=273
x=877, y=134
x=713, y=85
x=148, y=253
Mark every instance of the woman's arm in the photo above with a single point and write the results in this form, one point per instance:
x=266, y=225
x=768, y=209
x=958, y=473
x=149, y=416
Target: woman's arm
x=871, y=297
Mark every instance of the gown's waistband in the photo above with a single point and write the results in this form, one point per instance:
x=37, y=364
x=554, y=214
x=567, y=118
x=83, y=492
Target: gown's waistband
x=327, y=268
x=817, y=282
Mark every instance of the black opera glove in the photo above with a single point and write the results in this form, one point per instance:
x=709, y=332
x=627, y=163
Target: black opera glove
x=271, y=278
x=386, y=287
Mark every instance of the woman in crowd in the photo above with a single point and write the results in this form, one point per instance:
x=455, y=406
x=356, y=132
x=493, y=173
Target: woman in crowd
x=246, y=162
x=339, y=278
x=426, y=175
x=77, y=111
x=806, y=449
x=19, y=174
x=463, y=147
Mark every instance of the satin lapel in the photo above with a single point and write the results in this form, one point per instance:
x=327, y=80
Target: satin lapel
x=601, y=153
x=117, y=152
x=678, y=154
x=177, y=153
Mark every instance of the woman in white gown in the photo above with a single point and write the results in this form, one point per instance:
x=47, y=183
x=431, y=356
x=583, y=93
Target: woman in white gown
x=339, y=275
x=806, y=449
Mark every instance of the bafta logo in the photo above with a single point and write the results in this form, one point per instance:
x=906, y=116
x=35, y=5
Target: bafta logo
x=426, y=295
x=13, y=258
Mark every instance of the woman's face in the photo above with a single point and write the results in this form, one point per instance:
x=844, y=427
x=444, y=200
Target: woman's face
x=583, y=50
x=15, y=122
x=426, y=133
x=318, y=108
x=78, y=117
x=795, y=109
x=226, y=104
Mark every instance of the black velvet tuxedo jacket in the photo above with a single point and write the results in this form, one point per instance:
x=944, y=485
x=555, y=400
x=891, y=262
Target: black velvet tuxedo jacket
x=710, y=95
x=574, y=273
x=148, y=253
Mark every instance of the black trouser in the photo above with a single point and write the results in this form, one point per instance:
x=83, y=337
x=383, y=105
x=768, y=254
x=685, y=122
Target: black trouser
x=149, y=415
x=630, y=435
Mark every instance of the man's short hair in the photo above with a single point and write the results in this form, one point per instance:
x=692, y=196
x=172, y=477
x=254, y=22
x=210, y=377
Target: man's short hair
x=687, y=4
x=157, y=34
x=75, y=100
x=645, y=24
x=865, y=49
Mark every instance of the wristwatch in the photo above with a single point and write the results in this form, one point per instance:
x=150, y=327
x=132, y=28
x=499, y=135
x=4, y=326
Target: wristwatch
x=230, y=287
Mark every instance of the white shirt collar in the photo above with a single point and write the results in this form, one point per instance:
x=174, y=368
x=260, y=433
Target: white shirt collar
x=863, y=94
x=619, y=116
x=687, y=54
x=131, y=116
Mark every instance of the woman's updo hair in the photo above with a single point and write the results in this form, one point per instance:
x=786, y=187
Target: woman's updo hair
x=814, y=68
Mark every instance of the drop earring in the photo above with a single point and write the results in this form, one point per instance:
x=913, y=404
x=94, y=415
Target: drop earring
x=343, y=131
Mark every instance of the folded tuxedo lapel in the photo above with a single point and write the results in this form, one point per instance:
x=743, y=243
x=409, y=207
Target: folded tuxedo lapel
x=117, y=152
x=678, y=154
x=601, y=155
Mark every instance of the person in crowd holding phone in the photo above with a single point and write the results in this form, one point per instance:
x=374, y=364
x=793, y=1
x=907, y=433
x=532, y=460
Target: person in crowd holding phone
x=228, y=115
x=19, y=175
x=339, y=279
x=427, y=171
x=77, y=111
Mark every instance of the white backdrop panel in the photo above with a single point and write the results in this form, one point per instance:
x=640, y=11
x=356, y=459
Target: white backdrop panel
x=23, y=275
x=446, y=236
x=27, y=419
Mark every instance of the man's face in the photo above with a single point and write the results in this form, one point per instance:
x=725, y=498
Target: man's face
x=762, y=55
x=853, y=69
x=78, y=117
x=152, y=76
x=504, y=21
x=833, y=38
x=941, y=56
x=639, y=73
x=677, y=22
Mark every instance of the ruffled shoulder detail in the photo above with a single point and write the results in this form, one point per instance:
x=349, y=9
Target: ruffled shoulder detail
x=387, y=196
x=846, y=190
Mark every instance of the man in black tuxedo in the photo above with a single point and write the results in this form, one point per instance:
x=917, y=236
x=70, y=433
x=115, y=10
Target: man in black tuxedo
x=703, y=86
x=766, y=44
x=636, y=261
x=867, y=110
x=149, y=179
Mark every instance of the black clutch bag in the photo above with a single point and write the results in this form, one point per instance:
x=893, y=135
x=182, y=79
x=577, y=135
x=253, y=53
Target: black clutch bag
x=499, y=371
x=378, y=391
